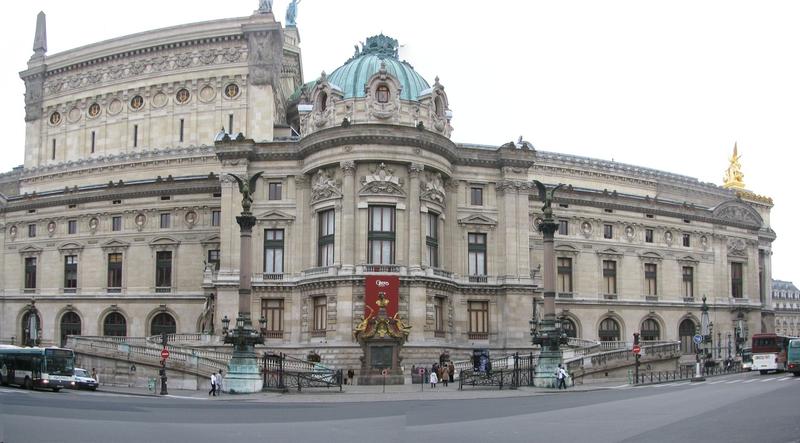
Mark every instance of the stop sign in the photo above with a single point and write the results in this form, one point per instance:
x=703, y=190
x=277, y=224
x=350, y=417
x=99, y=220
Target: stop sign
x=636, y=349
x=165, y=354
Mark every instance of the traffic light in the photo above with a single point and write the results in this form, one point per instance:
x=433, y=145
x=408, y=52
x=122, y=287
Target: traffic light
x=636, y=338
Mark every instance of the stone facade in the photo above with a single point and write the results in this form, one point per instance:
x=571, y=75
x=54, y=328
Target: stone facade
x=372, y=185
x=786, y=303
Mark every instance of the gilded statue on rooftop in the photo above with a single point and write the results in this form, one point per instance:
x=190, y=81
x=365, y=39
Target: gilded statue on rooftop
x=734, y=178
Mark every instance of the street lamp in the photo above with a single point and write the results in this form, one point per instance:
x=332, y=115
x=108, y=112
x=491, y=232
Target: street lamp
x=703, y=334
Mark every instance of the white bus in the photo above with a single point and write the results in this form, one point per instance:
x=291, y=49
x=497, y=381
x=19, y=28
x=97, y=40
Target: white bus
x=49, y=368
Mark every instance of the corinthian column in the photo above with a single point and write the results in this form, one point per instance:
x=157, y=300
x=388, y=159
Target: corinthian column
x=347, y=224
x=414, y=219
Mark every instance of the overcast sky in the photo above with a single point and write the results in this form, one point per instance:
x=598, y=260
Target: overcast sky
x=668, y=85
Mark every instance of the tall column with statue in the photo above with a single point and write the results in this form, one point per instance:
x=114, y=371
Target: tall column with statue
x=549, y=335
x=244, y=375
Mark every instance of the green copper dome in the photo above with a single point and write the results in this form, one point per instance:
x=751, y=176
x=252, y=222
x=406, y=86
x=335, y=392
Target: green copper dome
x=353, y=75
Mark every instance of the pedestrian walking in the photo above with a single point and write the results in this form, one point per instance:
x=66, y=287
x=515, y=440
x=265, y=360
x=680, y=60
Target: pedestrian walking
x=434, y=379
x=213, y=390
x=350, y=375
x=443, y=376
x=451, y=371
x=219, y=382
x=561, y=377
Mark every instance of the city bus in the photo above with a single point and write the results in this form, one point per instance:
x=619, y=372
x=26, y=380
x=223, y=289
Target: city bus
x=769, y=352
x=48, y=368
x=793, y=357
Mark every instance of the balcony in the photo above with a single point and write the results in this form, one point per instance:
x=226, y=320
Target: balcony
x=478, y=335
x=688, y=299
x=651, y=297
x=114, y=290
x=273, y=334
x=382, y=268
x=610, y=296
x=564, y=295
x=163, y=289
x=272, y=276
x=478, y=279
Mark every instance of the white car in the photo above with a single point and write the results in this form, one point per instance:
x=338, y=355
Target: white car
x=84, y=380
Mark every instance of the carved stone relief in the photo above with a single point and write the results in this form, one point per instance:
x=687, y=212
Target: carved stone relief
x=586, y=229
x=324, y=187
x=737, y=246
x=432, y=188
x=382, y=180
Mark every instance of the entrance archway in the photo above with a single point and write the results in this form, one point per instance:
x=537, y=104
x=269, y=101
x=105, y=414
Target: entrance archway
x=686, y=331
x=70, y=325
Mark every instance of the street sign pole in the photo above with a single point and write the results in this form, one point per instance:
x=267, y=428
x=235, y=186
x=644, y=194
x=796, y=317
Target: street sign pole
x=636, y=350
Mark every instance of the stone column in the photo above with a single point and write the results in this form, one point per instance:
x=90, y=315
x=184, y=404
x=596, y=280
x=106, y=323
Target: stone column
x=550, y=355
x=246, y=223
x=347, y=224
x=414, y=219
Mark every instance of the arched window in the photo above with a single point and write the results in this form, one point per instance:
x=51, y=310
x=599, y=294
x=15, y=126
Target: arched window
x=650, y=330
x=70, y=325
x=115, y=325
x=569, y=328
x=382, y=94
x=686, y=331
x=322, y=101
x=161, y=323
x=31, y=328
x=609, y=330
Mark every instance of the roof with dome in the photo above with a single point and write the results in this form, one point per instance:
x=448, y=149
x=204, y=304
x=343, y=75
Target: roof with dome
x=366, y=62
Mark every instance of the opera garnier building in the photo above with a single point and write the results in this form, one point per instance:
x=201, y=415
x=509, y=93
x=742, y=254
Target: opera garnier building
x=122, y=220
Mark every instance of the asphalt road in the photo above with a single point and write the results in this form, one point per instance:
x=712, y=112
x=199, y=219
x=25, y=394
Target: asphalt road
x=738, y=408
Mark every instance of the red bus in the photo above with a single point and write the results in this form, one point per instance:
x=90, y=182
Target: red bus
x=769, y=352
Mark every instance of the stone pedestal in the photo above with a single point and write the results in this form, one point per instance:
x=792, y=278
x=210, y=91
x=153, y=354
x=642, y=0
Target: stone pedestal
x=381, y=354
x=244, y=375
x=545, y=375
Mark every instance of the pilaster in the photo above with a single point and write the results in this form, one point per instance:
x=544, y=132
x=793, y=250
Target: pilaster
x=414, y=219
x=347, y=224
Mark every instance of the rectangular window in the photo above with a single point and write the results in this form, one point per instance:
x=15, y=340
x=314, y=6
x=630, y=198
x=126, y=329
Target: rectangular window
x=610, y=276
x=273, y=251
x=135, y=135
x=563, y=227
x=737, y=287
x=648, y=236
x=381, y=235
x=438, y=314
x=116, y=223
x=164, y=221
x=30, y=273
x=650, y=279
x=564, y=284
x=53, y=151
x=180, y=131
x=115, y=270
x=93, y=141
x=688, y=282
x=230, y=123
x=476, y=196
x=272, y=311
x=72, y=226
x=476, y=249
x=320, y=315
x=275, y=190
x=432, y=239
x=215, y=217
x=213, y=258
x=608, y=231
x=163, y=269
x=31, y=231
x=327, y=229
x=70, y=271
x=478, y=320
x=686, y=240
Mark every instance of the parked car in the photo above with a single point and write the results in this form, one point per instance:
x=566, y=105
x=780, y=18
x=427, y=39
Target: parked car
x=84, y=380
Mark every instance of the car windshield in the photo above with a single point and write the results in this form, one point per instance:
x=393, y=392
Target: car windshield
x=81, y=373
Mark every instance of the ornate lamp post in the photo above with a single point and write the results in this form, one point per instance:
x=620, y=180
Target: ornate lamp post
x=244, y=375
x=548, y=333
x=704, y=332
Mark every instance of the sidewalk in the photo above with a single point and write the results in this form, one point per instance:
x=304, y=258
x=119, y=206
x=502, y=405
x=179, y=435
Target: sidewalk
x=356, y=393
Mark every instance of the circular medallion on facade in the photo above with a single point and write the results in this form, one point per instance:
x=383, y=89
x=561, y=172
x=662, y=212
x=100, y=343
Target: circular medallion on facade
x=137, y=102
x=586, y=229
x=74, y=115
x=207, y=93
x=55, y=118
x=232, y=90
x=668, y=237
x=191, y=218
x=93, y=225
x=115, y=107
x=182, y=96
x=13, y=232
x=159, y=100
x=140, y=220
x=51, y=228
x=94, y=110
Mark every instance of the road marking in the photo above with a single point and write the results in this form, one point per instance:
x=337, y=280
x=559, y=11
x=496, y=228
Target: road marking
x=682, y=384
x=732, y=382
x=768, y=379
x=750, y=381
x=620, y=386
x=717, y=382
x=785, y=378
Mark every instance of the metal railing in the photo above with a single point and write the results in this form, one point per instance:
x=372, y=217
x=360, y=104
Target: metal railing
x=281, y=372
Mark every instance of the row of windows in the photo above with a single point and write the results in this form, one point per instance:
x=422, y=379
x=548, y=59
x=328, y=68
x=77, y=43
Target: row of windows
x=608, y=233
x=165, y=222
x=564, y=278
x=114, y=324
x=163, y=270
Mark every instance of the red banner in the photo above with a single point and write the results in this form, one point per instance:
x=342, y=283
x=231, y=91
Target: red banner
x=376, y=285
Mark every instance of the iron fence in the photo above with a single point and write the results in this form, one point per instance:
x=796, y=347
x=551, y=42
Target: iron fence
x=282, y=373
